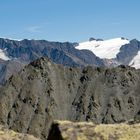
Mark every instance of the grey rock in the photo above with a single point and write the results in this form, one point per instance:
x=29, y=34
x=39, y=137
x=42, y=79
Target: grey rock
x=128, y=52
x=8, y=68
x=92, y=39
x=26, y=51
x=44, y=91
x=65, y=53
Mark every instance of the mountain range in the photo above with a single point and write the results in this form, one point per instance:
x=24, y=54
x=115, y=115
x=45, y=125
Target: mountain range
x=44, y=91
x=15, y=54
x=114, y=52
x=42, y=81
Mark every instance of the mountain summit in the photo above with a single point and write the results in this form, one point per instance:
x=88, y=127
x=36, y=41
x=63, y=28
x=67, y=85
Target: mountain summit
x=14, y=54
x=114, y=52
x=44, y=91
x=107, y=49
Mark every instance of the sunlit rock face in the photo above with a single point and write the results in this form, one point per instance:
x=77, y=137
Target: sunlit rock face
x=44, y=91
x=66, y=130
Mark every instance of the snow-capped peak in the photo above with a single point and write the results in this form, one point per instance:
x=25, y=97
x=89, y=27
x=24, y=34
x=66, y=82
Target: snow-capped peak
x=105, y=49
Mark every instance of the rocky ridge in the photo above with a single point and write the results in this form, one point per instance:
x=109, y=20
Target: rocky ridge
x=44, y=91
x=6, y=134
x=66, y=130
x=20, y=53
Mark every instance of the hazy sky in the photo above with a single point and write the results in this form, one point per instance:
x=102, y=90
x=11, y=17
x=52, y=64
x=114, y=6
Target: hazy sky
x=69, y=20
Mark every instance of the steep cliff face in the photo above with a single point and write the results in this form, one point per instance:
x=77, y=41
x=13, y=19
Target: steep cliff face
x=44, y=91
x=96, y=52
x=128, y=52
x=7, y=68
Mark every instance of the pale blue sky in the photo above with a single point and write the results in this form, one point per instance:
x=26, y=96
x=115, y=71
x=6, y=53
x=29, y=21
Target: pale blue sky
x=69, y=20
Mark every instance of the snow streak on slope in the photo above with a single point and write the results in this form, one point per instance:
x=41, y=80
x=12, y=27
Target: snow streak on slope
x=3, y=55
x=135, y=62
x=12, y=39
x=104, y=49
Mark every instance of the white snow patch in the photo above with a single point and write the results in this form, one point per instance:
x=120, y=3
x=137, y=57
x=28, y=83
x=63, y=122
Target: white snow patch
x=104, y=49
x=14, y=39
x=135, y=62
x=11, y=39
x=3, y=56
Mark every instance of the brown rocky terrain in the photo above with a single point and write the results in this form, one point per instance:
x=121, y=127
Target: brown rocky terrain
x=44, y=91
x=6, y=134
x=65, y=130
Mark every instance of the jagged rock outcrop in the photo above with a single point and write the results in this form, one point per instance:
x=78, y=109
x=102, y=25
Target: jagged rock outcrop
x=25, y=51
x=128, y=52
x=44, y=91
x=65, y=130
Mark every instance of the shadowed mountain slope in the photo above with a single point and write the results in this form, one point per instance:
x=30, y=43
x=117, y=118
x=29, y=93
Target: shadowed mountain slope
x=44, y=91
x=18, y=53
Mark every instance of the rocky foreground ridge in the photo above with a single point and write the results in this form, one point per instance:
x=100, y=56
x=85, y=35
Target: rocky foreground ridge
x=6, y=134
x=65, y=130
x=44, y=91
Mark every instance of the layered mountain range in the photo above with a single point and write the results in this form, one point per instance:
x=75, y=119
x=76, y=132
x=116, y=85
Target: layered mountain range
x=44, y=91
x=15, y=54
x=20, y=53
x=95, y=81
x=114, y=52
